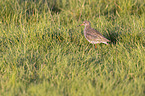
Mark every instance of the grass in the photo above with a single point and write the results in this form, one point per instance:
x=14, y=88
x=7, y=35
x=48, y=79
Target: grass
x=42, y=52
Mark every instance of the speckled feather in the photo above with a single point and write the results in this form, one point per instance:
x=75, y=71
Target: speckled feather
x=92, y=35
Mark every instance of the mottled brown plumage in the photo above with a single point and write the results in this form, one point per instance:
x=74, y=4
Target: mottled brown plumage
x=92, y=35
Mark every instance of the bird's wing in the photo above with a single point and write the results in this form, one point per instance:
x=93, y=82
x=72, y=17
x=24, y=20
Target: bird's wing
x=95, y=35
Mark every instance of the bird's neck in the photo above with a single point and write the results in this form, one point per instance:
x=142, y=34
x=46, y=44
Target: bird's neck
x=87, y=26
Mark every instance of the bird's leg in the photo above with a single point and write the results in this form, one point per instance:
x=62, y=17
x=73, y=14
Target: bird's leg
x=95, y=46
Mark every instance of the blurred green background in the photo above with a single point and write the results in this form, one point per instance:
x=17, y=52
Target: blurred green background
x=43, y=53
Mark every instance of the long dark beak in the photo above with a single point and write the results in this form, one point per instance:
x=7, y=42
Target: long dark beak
x=80, y=25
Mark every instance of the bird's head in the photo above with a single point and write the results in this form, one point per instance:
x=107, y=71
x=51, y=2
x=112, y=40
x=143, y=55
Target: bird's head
x=85, y=23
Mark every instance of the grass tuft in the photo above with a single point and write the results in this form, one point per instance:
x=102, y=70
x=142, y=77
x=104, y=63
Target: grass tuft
x=43, y=52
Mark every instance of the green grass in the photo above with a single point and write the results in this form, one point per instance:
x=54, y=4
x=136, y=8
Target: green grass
x=43, y=53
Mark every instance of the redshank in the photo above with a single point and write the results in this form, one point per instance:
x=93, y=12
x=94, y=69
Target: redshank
x=92, y=35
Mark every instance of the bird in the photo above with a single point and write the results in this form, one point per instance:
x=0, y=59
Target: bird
x=92, y=35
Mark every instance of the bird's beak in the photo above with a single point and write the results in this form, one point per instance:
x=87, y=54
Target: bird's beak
x=80, y=25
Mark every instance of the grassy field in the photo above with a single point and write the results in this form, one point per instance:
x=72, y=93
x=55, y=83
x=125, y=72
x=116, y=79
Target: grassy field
x=43, y=53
